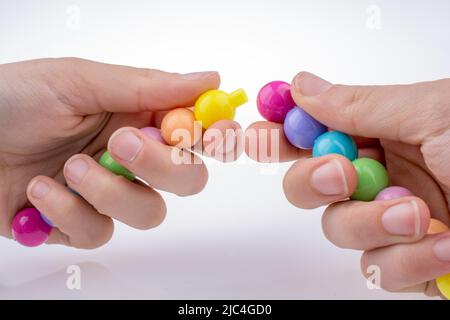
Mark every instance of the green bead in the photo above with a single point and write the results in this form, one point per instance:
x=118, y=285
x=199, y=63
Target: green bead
x=109, y=163
x=372, y=178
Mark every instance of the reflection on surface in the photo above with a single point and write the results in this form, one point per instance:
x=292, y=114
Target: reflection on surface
x=95, y=280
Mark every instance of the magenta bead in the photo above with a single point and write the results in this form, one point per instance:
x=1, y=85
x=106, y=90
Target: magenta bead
x=392, y=193
x=153, y=133
x=29, y=229
x=275, y=101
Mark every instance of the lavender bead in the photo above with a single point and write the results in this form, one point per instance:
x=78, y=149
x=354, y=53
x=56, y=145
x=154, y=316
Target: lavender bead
x=153, y=133
x=301, y=129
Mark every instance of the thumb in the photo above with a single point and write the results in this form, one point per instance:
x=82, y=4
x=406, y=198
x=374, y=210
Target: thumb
x=90, y=87
x=406, y=113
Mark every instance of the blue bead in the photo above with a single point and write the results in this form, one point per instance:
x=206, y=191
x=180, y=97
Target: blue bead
x=335, y=142
x=301, y=129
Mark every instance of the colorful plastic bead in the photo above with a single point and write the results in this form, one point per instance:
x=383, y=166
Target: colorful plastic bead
x=29, y=229
x=275, y=101
x=335, y=142
x=372, y=178
x=301, y=129
x=443, y=282
x=215, y=105
x=392, y=193
x=153, y=133
x=47, y=220
x=112, y=165
x=179, y=128
x=436, y=227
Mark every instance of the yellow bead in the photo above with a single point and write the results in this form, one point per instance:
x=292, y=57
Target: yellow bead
x=215, y=105
x=443, y=283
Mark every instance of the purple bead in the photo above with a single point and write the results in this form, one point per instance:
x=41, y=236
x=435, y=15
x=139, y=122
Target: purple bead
x=29, y=229
x=153, y=133
x=301, y=129
x=275, y=101
x=392, y=193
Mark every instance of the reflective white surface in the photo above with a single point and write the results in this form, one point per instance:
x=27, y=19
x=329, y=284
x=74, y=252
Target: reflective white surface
x=239, y=238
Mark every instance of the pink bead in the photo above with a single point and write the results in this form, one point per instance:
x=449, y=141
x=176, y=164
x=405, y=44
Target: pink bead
x=153, y=133
x=29, y=229
x=392, y=193
x=275, y=101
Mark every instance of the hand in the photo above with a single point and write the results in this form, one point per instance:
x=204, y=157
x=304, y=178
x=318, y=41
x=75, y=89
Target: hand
x=56, y=117
x=408, y=128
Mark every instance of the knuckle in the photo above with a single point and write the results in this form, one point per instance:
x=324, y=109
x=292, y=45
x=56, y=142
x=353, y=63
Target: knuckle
x=98, y=237
x=350, y=102
x=198, y=183
x=152, y=219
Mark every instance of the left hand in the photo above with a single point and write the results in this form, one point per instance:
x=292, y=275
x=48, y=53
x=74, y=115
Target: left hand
x=57, y=116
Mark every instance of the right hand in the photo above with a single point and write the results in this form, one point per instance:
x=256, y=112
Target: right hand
x=408, y=128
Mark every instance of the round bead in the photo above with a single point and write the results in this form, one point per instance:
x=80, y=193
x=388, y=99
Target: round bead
x=443, y=284
x=47, y=220
x=275, y=101
x=112, y=165
x=301, y=129
x=29, y=229
x=335, y=142
x=392, y=193
x=153, y=133
x=179, y=128
x=436, y=227
x=215, y=105
x=372, y=178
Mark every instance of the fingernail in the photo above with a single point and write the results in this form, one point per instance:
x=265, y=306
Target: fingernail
x=442, y=249
x=198, y=75
x=39, y=189
x=76, y=170
x=329, y=179
x=402, y=219
x=125, y=145
x=308, y=84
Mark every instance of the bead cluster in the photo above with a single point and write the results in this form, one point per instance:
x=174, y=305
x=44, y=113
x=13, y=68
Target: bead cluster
x=275, y=104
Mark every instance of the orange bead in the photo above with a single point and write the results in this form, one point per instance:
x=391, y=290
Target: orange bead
x=179, y=128
x=436, y=226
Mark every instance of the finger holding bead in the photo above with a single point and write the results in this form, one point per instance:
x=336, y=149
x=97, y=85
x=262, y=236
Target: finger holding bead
x=314, y=182
x=113, y=195
x=409, y=265
x=223, y=141
x=266, y=142
x=75, y=222
x=164, y=167
x=368, y=225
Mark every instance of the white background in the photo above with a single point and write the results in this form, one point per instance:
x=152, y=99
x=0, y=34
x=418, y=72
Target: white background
x=239, y=238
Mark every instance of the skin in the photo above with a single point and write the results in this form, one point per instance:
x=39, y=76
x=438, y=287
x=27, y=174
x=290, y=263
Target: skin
x=407, y=128
x=54, y=112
